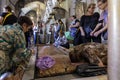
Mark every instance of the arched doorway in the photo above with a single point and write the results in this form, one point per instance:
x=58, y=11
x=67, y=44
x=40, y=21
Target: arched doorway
x=34, y=10
x=19, y=4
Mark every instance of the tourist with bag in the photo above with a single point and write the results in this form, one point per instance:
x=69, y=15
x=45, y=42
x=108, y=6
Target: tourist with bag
x=61, y=41
x=76, y=31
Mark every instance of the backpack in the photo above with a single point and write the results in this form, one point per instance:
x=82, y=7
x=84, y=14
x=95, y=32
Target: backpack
x=9, y=18
x=6, y=17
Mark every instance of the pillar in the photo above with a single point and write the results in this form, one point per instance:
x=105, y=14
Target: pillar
x=114, y=40
x=2, y=4
x=72, y=7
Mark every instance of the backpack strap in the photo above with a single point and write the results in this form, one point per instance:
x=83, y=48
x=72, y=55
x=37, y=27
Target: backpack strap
x=6, y=17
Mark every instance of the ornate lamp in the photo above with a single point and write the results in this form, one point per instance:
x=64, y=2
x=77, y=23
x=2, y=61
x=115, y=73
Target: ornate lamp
x=53, y=12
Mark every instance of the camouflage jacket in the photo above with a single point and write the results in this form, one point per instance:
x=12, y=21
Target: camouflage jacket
x=13, y=49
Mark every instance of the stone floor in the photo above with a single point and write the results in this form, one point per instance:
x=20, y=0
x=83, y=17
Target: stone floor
x=61, y=77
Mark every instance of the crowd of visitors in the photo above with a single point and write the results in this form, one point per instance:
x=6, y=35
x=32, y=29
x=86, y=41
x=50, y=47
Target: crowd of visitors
x=16, y=33
x=91, y=27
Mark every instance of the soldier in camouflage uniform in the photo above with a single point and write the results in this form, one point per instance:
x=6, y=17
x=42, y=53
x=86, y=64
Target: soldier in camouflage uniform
x=13, y=49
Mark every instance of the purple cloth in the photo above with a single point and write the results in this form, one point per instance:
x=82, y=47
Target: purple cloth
x=45, y=62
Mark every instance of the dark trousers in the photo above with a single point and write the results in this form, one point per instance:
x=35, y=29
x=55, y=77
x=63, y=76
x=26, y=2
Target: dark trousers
x=35, y=38
x=66, y=45
x=79, y=39
x=94, y=39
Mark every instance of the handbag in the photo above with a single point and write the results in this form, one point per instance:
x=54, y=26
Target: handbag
x=87, y=70
x=68, y=35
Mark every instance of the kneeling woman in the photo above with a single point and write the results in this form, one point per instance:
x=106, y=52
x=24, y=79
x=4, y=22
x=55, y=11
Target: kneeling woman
x=61, y=41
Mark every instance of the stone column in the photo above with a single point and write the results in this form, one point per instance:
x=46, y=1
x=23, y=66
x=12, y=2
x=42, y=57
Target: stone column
x=2, y=4
x=72, y=7
x=114, y=40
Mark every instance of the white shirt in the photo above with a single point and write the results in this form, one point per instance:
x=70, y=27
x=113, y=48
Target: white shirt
x=55, y=28
x=35, y=29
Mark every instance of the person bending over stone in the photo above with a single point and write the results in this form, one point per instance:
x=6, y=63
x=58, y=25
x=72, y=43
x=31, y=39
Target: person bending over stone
x=13, y=49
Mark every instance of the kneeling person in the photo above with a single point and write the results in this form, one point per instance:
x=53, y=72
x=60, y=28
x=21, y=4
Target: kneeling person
x=13, y=49
x=61, y=41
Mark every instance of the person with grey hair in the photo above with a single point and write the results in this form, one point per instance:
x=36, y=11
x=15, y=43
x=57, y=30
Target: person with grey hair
x=88, y=23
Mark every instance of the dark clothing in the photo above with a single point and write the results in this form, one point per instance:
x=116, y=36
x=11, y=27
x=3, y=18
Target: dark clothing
x=67, y=45
x=76, y=22
x=28, y=35
x=88, y=23
x=10, y=20
x=74, y=30
x=13, y=51
x=77, y=40
x=26, y=38
x=60, y=28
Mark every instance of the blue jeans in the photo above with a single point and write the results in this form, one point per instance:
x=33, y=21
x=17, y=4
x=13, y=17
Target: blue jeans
x=35, y=38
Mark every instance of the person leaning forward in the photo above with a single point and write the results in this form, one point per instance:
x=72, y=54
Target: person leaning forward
x=13, y=49
x=103, y=21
